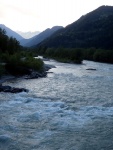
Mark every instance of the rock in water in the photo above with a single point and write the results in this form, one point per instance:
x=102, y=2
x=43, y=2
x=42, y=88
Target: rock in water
x=12, y=89
x=91, y=69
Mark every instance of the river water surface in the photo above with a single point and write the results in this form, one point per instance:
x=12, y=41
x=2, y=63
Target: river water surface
x=71, y=109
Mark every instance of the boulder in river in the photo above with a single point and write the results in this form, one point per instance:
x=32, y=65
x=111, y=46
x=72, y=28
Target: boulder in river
x=12, y=89
x=91, y=69
x=35, y=75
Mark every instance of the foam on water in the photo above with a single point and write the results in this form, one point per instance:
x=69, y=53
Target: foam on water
x=57, y=113
x=70, y=110
x=44, y=118
x=39, y=120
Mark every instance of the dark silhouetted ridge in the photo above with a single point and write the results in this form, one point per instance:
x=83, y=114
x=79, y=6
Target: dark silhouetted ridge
x=95, y=29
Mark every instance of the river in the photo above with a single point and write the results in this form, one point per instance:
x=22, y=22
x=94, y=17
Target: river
x=71, y=109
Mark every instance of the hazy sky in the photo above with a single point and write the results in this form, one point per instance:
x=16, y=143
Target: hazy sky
x=37, y=15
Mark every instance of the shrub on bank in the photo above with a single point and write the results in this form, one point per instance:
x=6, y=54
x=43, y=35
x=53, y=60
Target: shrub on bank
x=18, y=65
x=33, y=63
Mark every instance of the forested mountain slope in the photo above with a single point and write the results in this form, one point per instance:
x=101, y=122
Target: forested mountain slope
x=94, y=29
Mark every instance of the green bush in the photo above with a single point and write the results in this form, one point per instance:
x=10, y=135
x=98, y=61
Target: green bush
x=32, y=63
x=17, y=60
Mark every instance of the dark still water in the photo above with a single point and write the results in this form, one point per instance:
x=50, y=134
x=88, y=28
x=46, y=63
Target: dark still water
x=71, y=109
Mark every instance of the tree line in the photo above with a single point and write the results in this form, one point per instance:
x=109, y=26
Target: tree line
x=9, y=44
x=77, y=55
x=16, y=56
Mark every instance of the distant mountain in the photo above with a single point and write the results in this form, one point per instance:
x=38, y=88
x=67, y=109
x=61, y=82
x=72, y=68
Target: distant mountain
x=10, y=32
x=28, y=35
x=40, y=37
x=94, y=29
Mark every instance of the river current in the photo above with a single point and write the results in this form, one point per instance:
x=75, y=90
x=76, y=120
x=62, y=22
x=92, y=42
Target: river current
x=71, y=109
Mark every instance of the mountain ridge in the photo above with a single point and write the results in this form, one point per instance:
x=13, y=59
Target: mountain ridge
x=11, y=33
x=40, y=37
x=94, y=29
x=28, y=35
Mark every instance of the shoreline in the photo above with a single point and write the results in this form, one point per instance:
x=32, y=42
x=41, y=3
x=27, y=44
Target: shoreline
x=33, y=75
x=5, y=78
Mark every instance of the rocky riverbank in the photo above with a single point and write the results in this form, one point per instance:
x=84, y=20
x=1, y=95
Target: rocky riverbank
x=9, y=88
x=32, y=75
x=42, y=74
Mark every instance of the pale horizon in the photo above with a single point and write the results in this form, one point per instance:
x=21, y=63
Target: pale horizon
x=38, y=15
